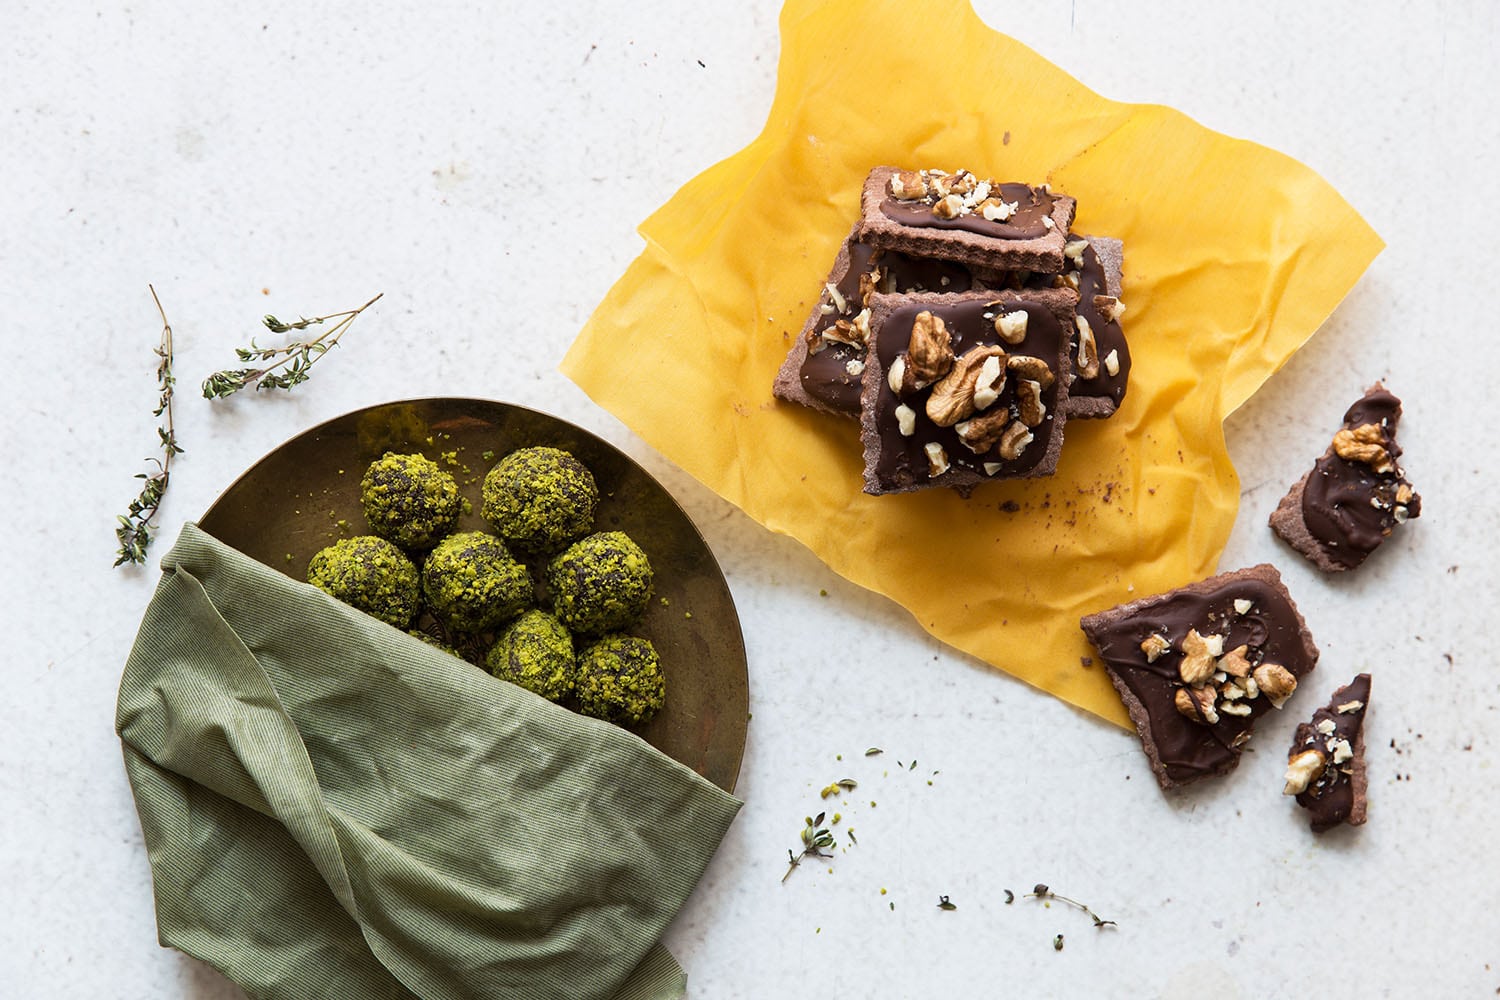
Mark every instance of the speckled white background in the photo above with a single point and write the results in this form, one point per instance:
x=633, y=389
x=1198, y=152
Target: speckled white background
x=294, y=157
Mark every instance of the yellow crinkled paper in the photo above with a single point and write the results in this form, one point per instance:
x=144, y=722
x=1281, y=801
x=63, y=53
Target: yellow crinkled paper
x=1234, y=254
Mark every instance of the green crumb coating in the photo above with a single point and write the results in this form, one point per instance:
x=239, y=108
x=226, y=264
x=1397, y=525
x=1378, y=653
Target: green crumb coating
x=409, y=500
x=536, y=652
x=600, y=583
x=620, y=680
x=473, y=583
x=539, y=499
x=370, y=574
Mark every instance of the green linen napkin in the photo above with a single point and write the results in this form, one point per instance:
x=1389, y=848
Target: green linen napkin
x=335, y=809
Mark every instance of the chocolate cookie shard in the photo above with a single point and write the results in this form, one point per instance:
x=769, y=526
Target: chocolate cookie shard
x=823, y=368
x=1326, y=763
x=1101, y=356
x=963, y=389
x=1197, y=666
x=1356, y=493
x=957, y=216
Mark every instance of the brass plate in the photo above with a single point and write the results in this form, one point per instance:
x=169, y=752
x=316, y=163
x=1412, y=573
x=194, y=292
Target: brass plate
x=290, y=502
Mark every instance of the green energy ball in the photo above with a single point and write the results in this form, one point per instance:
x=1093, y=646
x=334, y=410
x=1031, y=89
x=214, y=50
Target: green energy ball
x=536, y=652
x=371, y=574
x=600, y=583
x=539, y=499
x=472, y=582
x=620, y=680
x=409, y=500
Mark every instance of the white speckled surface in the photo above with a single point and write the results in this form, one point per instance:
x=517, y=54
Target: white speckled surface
x=291, y=158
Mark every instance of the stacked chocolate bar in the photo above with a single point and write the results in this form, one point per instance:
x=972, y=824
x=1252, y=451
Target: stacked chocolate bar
x=962, y=324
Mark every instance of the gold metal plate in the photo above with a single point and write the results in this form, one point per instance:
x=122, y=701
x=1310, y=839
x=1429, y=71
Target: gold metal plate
x=290, y=504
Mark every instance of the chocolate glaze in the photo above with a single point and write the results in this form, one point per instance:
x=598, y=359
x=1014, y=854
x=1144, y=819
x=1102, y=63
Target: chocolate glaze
x=1108, y=336
x=1349, y=507
x=825, y=373
x=1331, y=799
x=1032, y=206
x=1189, y=749
x=903, y=460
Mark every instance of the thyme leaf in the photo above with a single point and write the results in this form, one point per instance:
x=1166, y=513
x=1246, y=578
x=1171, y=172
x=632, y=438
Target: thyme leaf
x=1041, y=891
x=815, y=837
x=133, y=530
x=281, y=367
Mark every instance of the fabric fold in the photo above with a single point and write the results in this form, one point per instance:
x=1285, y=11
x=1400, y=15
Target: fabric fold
x=333, y=808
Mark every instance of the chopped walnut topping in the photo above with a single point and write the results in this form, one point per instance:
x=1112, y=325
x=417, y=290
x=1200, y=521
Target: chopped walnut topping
x=1014, y=440
x=937, y=458
x=996, y=210
x=837, y=297
x=1026, y=366
x=896, y=373
x=1349, y=706
x=1088, y=350
x=1199, y=653
x=981, y=433
x=990, y=382
x=1112, y=362
x=1365, y=443
x=1074, y=251
x=1326, y=727
x=930, y=351
x=1029, y=406
x=854, y=367
x=1011, y=326
x=906, y=420
x=1198, y=704
x=962, y=182
x=1303, y=769
x=950, y=207
x=1242, y=605
x=952, y=398
x=1275, y=682
x=907, y=185
x=1235, y=708
x=1341, y=750
x=1153, y=646
x=1234, y=663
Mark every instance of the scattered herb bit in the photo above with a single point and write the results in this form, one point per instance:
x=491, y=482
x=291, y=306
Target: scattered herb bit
x=893, y=906
x=1010, y=897
x=134, y=531
x=1057, y=943
x=913, y=766
x=1041, y=891
x=815, y=837
x=850, y=834
x=873, y=751
x=944, y=903
x=285, y=366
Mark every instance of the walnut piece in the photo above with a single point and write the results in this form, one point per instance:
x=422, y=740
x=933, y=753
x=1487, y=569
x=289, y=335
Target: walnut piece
x=929, y=353
x=907, y=185
x=1035, y=369
x=1014, y=440
x=1199, y=654
x=1365, y=443
x=1029, y=406
x=981, y=433
x=1011, y=326
x=1088, y=350
x=1154, y=645
x=1303, y=769
x=1197, y=704
x=937, y=458
x=952, y=398
x=991, y=381
x=950, y=207
x=1275, y=682
x=1234, y=662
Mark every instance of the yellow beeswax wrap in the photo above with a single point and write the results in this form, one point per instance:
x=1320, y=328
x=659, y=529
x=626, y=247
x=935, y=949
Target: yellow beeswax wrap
x=1234, y=254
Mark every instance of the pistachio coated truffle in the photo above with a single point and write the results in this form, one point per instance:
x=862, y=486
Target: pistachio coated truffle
x=620, y=680
x=539, y=499
x=409, y=500
x=473, y=583
x=536, y=652
x=371, y=574
x=600, y=583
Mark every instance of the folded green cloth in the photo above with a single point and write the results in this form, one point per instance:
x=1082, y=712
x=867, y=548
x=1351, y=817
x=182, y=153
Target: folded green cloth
x=335, y=809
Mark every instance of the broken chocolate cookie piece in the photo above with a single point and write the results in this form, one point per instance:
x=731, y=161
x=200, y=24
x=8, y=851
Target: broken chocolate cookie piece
x=1197, y=666
x=1101, y=357
x=964, y=389
x=823, y=368
x=1326, y=763
x=1356, y=493
x=957, y=216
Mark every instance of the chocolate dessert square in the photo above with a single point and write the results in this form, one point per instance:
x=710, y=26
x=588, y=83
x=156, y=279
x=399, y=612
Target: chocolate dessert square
x=1326, y=763
x=1198, y=665
x=964, y=389
x=822, y=370
x=986, y=224
x=1101, y=357
x=1356, y=493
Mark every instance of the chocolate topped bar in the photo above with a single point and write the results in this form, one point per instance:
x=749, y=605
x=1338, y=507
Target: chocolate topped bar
x=1326, y=763
x=957, y=216
x=1197, y=666
x=822, y=370
x=1356, y=493
x=963, y=389
x=1101, y=357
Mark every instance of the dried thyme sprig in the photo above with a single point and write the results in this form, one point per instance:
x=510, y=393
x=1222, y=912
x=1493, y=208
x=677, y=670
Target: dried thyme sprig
x=1043, y=892
x=815, y=837
x=288, y=365
x=134, y=530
